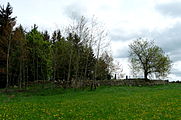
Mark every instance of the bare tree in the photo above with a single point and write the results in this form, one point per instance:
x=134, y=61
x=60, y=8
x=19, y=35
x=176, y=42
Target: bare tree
x=80, y=31
x=93, y=35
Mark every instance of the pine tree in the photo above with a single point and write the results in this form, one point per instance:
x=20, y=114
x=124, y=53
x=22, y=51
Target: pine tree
x=6, y=26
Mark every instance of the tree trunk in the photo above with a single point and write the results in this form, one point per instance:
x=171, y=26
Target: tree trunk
x=146, y=75
x=23, y=74
x=27, y=73
x=85, y=72
x=86, y=66
x=54, y=64
x=43, y=76
x=37, y=74
x=34, y=67
x=69, y=69
x=20, y=79
x=77, y=69
x=98, y=51
x=7, y=65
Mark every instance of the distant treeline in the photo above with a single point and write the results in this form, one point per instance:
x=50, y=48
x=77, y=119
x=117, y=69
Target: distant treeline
x=78, y=54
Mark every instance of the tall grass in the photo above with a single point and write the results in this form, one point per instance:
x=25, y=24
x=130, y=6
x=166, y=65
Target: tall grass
x=116, y=102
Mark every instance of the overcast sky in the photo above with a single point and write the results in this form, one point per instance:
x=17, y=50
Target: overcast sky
x=126, y=20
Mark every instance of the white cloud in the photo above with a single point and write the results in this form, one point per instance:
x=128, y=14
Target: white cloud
x=177, y=66
x=171, y=9
x=173, y=77
x=120, y=48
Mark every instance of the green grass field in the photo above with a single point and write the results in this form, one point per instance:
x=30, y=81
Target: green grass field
x=113, y=103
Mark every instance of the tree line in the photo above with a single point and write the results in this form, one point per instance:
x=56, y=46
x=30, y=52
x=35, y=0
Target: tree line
x=26, y=56
x=77, y=53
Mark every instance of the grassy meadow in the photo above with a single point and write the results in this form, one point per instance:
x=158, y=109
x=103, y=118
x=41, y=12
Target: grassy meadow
x=116, y=102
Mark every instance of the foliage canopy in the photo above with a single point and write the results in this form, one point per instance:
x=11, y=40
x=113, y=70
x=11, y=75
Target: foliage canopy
x=148, y=58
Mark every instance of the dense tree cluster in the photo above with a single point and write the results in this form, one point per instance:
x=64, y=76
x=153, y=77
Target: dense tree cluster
x=34, y=55
x=75, y=54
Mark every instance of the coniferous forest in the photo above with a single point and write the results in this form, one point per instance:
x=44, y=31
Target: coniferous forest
x=78, y=52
